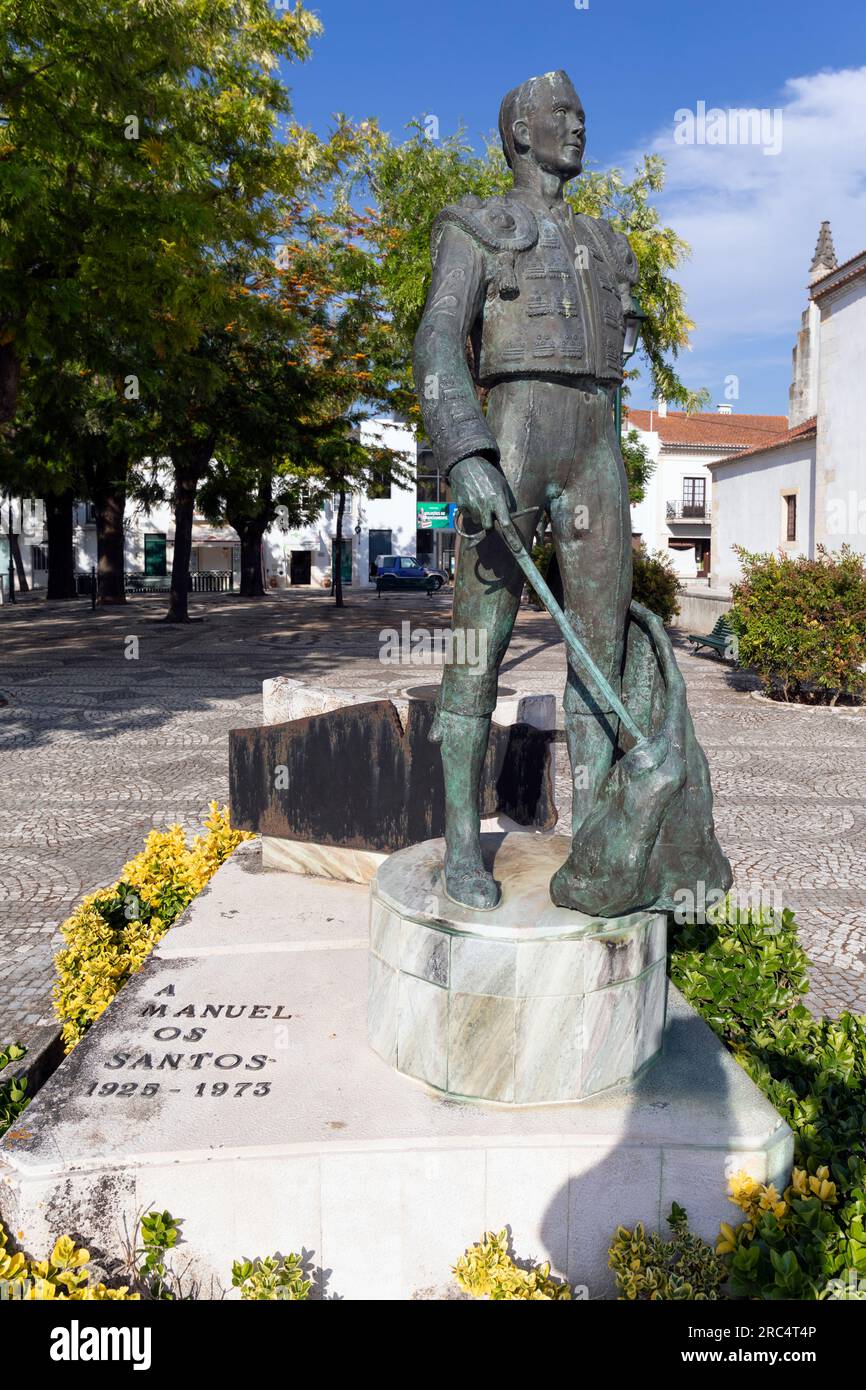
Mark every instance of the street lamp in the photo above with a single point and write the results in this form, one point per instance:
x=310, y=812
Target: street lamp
x=634, y=320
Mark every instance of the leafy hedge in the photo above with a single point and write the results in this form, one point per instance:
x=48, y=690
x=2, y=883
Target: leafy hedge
x=746, y=975
x=13, y=1093
x=650, y=1268
x=656, y=584
x=112, y=931
x=801, y=624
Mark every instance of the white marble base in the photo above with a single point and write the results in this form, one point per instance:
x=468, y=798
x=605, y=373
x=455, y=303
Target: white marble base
x=382, y=1182
x=285, y=698
x=526, y=1004
x=348, y=865
x=321, y=861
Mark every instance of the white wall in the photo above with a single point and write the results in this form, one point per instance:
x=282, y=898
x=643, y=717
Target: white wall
x=649, y=518
x=840, y=507
x=749, y=510
x=396, y=514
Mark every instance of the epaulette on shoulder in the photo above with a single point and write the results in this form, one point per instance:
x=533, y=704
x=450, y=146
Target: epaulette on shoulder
x=500, y=224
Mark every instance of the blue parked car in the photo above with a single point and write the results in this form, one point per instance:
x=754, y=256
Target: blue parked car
x=404, y=572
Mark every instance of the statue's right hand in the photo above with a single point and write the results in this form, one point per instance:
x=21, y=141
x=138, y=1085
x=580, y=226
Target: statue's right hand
x=481, y=492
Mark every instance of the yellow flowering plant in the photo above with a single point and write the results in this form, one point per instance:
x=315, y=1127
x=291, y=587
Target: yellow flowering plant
x=784, y=1248
x=487, y=1270
x=649, y=1268
x=112, y=931
x=63, y=1277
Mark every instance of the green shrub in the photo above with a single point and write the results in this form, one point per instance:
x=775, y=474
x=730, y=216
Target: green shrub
x=270, y=1279
x=656, y=583
x=740, y=969
x=747, y=976
x=487, y=1270
x=788, y=1246
x=650, y=1268
x=801, y=624
x=13, y=1093
x=159, y=1232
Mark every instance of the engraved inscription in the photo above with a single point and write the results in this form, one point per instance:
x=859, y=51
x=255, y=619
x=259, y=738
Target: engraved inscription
x=175, y=1044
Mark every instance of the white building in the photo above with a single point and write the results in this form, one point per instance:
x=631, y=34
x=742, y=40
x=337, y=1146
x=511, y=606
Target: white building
x=373, y=525
x=23, y=520
x=806, y=487
x=675, y=514
x=376, y=523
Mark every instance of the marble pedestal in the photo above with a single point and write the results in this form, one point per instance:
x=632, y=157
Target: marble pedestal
x=231, y=1081
x=526, y=1004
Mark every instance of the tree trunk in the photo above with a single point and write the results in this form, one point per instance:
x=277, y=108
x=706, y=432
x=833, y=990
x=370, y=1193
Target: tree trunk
x=338, y=553
x=251, y=533
x=189, y=467
x=110, y=507
x=23, y=586
x=10, y=376
x=61, y=557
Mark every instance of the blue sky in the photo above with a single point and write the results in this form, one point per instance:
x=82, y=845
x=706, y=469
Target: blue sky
x=751, y=217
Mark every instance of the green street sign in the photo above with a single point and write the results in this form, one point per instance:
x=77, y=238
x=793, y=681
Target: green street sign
x=436, y=516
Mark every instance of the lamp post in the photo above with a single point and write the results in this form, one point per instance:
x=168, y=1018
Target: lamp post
x=11, y=560
x=634, y=321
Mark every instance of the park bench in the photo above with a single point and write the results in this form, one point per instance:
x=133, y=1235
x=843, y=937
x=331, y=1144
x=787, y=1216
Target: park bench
x=719, y=639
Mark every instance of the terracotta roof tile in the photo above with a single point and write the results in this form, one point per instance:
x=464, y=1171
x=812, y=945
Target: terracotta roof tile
x=707, y=429
x=849, y=270
x=807, y=430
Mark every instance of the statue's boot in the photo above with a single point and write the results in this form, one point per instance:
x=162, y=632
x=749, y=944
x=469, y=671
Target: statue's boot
x=464, y=739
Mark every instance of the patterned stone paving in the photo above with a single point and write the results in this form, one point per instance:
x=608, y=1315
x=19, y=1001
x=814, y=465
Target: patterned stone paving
x=96, y=749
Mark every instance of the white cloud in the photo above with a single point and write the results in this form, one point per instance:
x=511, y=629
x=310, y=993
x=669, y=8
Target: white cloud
x=752, y=218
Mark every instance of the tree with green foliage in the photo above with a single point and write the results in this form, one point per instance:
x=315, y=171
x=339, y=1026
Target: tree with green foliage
x=410, y=182
x=123, y=180
x=639, y=466
x=353, y=360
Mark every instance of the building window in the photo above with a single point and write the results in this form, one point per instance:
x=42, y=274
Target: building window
x=791, y=517
x=39, y=555
x=154, y=555
x=432, y=486
x=379, y=486
x=694, y=496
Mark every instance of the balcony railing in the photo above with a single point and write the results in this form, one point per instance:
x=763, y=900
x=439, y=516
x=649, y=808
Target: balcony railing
x=688, y=511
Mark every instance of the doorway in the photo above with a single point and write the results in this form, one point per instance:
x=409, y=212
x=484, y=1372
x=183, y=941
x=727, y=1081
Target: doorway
x=347, y=559
x=300, y=567
x=380, y=544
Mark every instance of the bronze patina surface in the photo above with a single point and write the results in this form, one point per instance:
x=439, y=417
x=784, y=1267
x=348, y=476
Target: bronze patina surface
x=528, y=300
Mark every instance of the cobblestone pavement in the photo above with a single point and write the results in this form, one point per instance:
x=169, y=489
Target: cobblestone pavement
x=98, y=745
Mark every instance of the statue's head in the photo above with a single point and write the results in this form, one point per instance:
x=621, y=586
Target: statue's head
x=542, y=121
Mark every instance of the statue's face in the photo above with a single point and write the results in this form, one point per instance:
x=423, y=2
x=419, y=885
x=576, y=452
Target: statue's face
x=555, y=130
